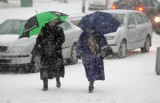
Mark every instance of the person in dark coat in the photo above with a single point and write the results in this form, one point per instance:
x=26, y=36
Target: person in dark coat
x=50, y=41
x=92, y=61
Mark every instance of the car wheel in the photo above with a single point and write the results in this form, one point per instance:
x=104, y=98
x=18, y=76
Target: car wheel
x=73, y=59
x=146, y=45
x=35, y=64
x=122, y=50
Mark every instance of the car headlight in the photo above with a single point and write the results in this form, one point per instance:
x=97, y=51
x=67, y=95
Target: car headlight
x=157, y=19
x=110, y=37
x=17, y=49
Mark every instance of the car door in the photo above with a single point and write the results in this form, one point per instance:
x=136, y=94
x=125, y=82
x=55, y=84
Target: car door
x=68, y=34
x=71, y=34
x=66, y=28
x=131, y=33
x=145, y=30
x=141, y=29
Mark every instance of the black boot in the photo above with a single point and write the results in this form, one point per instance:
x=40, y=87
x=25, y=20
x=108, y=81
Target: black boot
x=91, y=87
x=58, y=82
x=45, y=85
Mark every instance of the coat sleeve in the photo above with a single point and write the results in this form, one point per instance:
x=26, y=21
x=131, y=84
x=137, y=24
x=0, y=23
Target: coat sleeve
x=79, y=49
x=38, y=46
x=103, y=42
x=60, y=36
x=105, y=49
x=41, y=36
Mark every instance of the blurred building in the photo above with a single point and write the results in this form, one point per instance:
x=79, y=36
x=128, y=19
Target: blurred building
x=98, y=4
x=6, y=1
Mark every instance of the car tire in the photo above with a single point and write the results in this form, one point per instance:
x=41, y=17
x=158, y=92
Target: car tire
x=122, y=50
x=146, y=45
x=73, y=59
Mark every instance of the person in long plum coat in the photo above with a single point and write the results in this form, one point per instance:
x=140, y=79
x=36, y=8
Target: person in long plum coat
x=93, y=63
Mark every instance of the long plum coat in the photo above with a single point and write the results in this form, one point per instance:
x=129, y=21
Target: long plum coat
x=93, y=64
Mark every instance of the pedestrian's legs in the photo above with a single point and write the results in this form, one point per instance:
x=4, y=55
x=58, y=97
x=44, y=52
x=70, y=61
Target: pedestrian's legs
x=58, y=82
x=91, y=86
x=45, y=84
x=44, y=76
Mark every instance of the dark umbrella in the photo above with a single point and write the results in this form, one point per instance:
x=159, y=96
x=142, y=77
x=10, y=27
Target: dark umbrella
x=34, y=24
x=99, y=23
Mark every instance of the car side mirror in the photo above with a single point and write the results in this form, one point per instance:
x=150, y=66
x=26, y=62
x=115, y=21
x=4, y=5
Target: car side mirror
x=132, y=26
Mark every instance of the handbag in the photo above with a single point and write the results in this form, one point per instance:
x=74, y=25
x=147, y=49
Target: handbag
x=106, y=51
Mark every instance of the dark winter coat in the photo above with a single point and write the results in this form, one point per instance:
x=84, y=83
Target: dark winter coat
x=50, y=41
x=93, y=63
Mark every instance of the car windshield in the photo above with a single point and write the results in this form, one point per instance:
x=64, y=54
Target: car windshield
x=128, y=1
x=11, y=26
x=128, y=4
x=120, y=18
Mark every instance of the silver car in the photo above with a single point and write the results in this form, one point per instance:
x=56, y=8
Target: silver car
x=16, y=52
x=135, y=31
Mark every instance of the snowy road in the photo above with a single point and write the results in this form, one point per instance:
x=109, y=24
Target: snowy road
x=129, y=80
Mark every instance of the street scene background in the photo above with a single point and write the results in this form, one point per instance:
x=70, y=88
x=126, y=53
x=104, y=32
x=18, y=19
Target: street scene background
x=129, y=80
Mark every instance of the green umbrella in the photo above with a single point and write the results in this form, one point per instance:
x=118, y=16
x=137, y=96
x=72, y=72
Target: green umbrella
x=34, y=24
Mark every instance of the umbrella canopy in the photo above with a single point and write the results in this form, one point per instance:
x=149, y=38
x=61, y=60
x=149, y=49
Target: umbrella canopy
x=34, y=24
x=99, y=23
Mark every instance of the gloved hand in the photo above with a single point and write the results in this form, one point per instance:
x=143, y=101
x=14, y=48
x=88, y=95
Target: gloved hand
x=110, y=50
x=101, y=57
x=78, y=56
x=106, y=51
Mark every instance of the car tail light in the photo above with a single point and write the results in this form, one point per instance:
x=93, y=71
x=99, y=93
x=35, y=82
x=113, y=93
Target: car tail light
x=140, y=8
x=114, y=7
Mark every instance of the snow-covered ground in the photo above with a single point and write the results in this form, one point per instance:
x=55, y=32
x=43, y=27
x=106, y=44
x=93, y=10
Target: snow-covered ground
x=129, y=80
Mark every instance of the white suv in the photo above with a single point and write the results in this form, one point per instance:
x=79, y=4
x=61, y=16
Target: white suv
x=135, y=31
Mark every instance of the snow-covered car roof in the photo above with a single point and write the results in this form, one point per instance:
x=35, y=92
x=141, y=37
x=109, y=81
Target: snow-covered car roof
x=119, y=11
